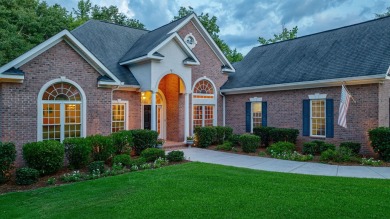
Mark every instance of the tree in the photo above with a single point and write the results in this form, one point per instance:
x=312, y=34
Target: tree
x=386, y=14
x=86, y=11
x=210, y=24
x=285, y=35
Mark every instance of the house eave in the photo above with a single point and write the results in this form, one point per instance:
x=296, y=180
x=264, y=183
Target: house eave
x=142, y=59
x=308, y=84
x=11, y=78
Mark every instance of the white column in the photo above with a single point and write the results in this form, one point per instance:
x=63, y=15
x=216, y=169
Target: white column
x=153, y=120
x=186, y=116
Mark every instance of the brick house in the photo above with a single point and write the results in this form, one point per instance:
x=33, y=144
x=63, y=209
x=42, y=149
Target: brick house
x=101, y=78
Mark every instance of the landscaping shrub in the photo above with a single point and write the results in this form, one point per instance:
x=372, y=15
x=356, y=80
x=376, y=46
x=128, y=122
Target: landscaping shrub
x=264, y=134
x=380, y=141
x=137, y=162
x=284, y=134
x=124, y=159
x=234, y=139
x=222, y=133
x=249, y=143
x=26, y=176
x=205, y=136
x=281, y=147
x=102, y=147
x=143, y=139
x=96, y=165
x=151, y=154
x=175, y=156
x=292, y=156
x=45, y=156
x=316, y=147
x=228, y=132
x=78, y=151
x=355, y=147
x=7, y=158
x=342, y=154
x=226, y=146
x=122, y=141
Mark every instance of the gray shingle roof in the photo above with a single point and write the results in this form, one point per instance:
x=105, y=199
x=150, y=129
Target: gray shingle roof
x=109, y=43
x=150, y=40
x=358, y=50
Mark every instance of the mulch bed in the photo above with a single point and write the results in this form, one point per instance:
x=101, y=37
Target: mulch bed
x=11, y=185
x=316, y=159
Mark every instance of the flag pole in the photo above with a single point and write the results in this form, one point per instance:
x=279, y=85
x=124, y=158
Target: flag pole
x=344, y=84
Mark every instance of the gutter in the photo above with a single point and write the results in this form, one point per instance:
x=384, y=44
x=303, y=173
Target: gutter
x=308, y=84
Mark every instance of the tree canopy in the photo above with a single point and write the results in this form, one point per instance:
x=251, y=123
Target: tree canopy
x=26, y=23
x=284, y=35
x=210, y=24
x=386, y=14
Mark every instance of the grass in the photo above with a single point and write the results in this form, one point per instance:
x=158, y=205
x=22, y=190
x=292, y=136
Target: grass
x=197, y=190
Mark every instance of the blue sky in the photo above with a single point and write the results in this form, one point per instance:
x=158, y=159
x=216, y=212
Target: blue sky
x=241, y=22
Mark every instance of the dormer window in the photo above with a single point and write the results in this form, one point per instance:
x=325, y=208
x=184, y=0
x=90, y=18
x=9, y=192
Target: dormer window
x=190, y=40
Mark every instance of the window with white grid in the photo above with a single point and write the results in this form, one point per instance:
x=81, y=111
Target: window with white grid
x=61, y=112
x=256, y=114
x=203, y=115
x=317, y=118
x=118, y=117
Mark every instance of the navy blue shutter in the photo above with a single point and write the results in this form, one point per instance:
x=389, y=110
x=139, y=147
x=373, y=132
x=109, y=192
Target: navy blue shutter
x=306, y=118
x=329, y=118
x=248, y=106
x=264, y=114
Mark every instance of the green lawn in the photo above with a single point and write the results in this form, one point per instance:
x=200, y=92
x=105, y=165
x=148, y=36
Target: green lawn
x=197, y=190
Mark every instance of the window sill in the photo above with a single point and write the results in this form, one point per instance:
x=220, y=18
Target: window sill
x=318, y=137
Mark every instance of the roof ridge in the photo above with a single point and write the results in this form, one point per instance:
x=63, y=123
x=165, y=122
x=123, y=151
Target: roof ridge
x=107, y=22
x=325, y=31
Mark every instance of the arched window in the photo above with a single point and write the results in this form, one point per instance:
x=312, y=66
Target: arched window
x=204, y=104
x=61, y=112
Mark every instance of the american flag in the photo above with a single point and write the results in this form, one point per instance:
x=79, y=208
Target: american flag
x=344, y=104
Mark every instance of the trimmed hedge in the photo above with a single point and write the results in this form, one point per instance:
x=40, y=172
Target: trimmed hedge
x=152, y=154
x=124, y=159
x=143, y=139
x=205, y=136
x=249, y=142
x=235, y=139
x=122, y=141
x=175, y=156
x=78, y=152
x=26, y=176
x=222, y=133
x=264, y=134
x=102, y=147
x=284, y=134
x=380, y=141
x=45, y=156
x=7, y=158
x=226, y=146
x=355, y=147
x=342, y=154
x=316, y=147
x=138, y=162
x=281, y=147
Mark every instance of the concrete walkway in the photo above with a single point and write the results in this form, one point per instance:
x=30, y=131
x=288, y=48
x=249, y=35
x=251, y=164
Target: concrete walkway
x=285, y=166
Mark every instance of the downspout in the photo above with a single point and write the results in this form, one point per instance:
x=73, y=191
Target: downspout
x=223, y=108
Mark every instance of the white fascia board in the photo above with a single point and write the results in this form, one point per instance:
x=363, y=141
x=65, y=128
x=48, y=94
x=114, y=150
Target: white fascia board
x=72, y=41
x=12, y=77
x=308, y=84
x=142, y=59
x=181, y=43
x=198, y=25
x=190, y=63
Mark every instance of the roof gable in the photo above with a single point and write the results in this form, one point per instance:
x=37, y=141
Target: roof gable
x=360, y=50
x=39, y=49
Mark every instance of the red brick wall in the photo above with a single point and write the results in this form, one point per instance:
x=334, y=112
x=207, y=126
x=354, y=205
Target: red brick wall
x=134, y=107
x=19, y=101
x=384, y=96
x=285, y=110
x=210, y=65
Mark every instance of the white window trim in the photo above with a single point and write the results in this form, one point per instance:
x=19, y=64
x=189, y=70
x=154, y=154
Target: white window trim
x=40, y=106
x=311, y=119
x=126, y=103
x=191, y=46
x=252, y=102
x=204, y=101
x=317, y=96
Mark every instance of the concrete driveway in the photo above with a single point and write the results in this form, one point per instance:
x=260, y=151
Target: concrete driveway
x=285, y=166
